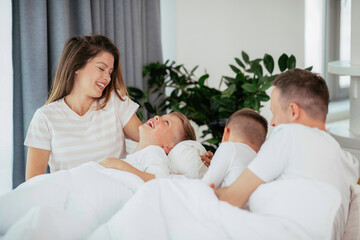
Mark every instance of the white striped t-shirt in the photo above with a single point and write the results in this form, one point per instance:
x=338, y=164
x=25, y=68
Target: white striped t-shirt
x=74, y=139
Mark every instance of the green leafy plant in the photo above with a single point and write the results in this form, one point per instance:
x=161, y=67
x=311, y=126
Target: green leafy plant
x=204, y=105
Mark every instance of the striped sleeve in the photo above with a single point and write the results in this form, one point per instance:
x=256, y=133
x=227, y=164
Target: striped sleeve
x=125, y=109
x=39, y=133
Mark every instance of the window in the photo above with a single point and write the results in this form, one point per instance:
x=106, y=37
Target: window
x=345, y=38
x=327, y=38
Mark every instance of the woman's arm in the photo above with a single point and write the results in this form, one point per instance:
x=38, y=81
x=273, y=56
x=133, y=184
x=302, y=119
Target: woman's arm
x=131, y=129
x=124, y=166
x=37, y=161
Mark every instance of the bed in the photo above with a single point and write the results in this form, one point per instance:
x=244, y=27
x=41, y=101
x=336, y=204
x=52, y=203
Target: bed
x=177, y=208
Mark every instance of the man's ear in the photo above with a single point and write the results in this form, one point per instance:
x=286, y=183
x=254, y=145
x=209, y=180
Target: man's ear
x=294, y=112
x=226, y=135
x=167, y=149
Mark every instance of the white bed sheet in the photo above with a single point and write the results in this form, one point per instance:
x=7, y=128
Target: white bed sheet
x=90, y=193
x=188, y=209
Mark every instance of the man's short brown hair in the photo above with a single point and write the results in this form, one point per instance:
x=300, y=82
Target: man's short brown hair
x=189, y=133
x=250, y=125
x=306, y=89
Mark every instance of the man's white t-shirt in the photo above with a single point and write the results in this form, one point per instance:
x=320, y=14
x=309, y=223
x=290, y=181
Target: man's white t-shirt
x=229, y=161
x=73, y=139
x=296, y=151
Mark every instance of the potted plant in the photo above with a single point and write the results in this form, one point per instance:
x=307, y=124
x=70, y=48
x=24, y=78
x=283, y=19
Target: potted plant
x=205, y=105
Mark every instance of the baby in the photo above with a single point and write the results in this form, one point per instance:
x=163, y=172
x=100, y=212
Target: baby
x=244, y=133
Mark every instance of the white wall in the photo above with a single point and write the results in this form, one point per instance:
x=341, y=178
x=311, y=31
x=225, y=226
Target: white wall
x=210, y=33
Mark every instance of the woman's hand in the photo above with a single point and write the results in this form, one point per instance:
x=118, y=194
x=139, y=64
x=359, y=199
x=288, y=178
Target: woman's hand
x=207, y=158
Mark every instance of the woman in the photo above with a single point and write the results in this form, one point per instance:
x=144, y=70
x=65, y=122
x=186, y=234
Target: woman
x=88, y=113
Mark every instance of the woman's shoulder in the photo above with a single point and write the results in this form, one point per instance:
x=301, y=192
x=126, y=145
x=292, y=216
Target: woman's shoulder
x=50, y=108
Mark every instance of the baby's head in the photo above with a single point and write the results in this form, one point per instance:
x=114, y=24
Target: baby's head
x=246, y=126
x=166, y=130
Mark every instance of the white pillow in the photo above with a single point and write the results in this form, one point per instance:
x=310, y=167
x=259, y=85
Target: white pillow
x=185, y=159
x=352, y=230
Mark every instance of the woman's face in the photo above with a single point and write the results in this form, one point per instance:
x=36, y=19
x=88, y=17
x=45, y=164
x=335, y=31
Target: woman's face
x=92, y=79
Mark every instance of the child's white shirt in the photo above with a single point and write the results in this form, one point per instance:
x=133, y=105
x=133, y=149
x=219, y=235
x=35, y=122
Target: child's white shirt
x=229, y=161
x=151, y=159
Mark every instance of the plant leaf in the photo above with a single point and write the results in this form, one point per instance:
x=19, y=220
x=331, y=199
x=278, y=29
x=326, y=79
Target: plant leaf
x=229, y=79
x=262, y=80
x=193, y=70
x=256, y=69
x=235, y=69
x=149, y=108
x=283, y=62
x=309, y=68
x=291, y=62
x=202, y=79
x=249, y=87
x=269, y=63
x=263, y=97
x=239, y=62
x=245, y=57
x=266, y=86
x=230, y=90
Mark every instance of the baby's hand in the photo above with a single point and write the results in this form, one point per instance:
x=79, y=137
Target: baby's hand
x=207, y=158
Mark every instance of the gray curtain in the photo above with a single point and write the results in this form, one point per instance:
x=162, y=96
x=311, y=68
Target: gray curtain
x=40, y=29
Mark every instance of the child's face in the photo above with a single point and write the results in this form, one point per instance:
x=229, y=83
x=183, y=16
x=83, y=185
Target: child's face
x=162, y=131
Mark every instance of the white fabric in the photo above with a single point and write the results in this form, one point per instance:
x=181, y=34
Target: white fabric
x=185, y=159
x=229, y=161
x=189, y=209
x=74, y=139
x=151, y=159
x=352, y=231
x=90, y=192
x=43, y=222
x=309, y=204
x=295, y=151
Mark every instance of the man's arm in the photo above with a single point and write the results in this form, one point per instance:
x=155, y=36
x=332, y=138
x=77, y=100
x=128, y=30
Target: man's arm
x=124, y=166
x=239, y=192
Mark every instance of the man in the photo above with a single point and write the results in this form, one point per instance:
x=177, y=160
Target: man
x=299, y=147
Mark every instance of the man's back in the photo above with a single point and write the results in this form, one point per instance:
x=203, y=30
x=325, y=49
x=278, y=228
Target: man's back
x=295, y=151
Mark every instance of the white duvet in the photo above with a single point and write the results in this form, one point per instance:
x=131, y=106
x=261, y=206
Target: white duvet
x=188, y=209
x=87, y=202
x=68, y=205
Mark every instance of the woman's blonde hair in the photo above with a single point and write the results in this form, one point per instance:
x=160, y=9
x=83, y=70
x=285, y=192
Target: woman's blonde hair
x=76, y=54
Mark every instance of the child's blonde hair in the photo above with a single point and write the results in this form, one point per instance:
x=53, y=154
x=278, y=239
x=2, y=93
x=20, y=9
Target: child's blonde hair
x=189, y=133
